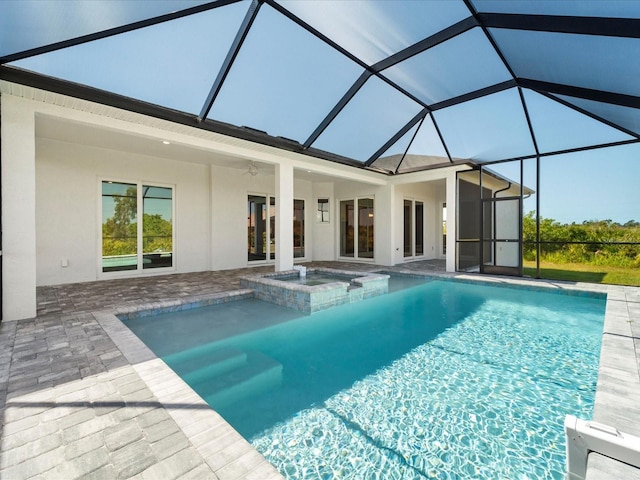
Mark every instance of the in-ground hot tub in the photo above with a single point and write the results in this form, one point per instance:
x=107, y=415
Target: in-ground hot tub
x=321, y=289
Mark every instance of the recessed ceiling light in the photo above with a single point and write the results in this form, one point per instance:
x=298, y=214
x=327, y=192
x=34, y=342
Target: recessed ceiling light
x=166, y=142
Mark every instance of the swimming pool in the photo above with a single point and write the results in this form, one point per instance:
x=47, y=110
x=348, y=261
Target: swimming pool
x=442, y=380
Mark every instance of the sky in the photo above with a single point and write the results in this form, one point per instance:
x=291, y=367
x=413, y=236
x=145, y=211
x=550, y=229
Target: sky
x=285, y=81
x=600, y=184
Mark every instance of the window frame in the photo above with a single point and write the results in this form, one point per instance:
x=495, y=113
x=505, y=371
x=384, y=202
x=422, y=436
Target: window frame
x=269, y=260
x=139, y=270
x=356, y=251
x=320, y=213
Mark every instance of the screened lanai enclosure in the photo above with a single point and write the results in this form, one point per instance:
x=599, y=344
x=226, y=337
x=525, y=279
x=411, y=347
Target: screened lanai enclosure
x=539, y=100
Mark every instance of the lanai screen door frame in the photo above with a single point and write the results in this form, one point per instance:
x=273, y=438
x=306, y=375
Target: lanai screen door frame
x=493, y=242
x=479, y=237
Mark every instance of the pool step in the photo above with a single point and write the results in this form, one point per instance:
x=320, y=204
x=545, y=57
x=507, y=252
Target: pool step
x=258, y=374
x=210, y=364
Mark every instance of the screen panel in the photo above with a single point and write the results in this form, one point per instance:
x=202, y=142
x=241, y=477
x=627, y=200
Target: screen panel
x=145, y=65
x=486, y=129
x=558, y=127
x=28, y=24
x=397, y=25
x=269, y=89
x=589, y=61
x=460, y=65
x=369, y=120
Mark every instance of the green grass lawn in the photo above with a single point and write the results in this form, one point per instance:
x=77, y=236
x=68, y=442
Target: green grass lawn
x=577, y=272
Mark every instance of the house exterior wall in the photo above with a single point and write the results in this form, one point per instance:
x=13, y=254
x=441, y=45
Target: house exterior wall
x=18, y=208
x=51, y=192
x=68, y=208
x=427, y=193
x=323, y=234
x=382, y=211
x=229, y=190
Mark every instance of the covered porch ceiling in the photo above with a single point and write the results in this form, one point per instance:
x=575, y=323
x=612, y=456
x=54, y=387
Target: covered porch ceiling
x=392, y=86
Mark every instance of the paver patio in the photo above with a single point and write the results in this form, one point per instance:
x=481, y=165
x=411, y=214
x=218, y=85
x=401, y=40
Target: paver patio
x=82, y=397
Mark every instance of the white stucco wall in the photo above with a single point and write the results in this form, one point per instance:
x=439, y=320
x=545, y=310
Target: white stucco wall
x=18, y=209
x=229, y=190
x=345, y=190
x=51, y=192
x=323, y=235
x=429, y=194
x=68, y=208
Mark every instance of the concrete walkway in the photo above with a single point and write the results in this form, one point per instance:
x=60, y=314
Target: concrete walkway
x=82, y=397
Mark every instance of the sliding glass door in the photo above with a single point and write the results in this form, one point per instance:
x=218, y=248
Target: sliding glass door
x=261, y=228
x=413, y=212
x=357, y=228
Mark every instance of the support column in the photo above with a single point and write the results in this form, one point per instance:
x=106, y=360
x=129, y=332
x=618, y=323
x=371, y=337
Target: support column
x=18, y=157
x=284, y=217
x=452, y=208
x=384, y=220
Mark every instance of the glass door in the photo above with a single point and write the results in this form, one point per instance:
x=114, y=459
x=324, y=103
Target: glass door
x=413, y=213
x=357, y=228
x=256, y=228
x=261, y=228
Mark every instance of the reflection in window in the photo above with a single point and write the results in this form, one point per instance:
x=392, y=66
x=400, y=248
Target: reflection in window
x=122, y=242
x=323, y=210
x=413, y=212
x=419, y=219
x=347, y=230
x=261, y=225
x=157, y=227
x=408, y=231
x=298, y=228
x=119, y=227
x=356, y=231
x=365, y=228
x=256, y=227
x=272, y=228
x=444, y=228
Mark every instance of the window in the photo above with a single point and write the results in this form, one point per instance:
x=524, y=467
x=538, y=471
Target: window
x=257, y=227
x=356, y=231
x=261, y=225
x=323, y=210
x=444, y=228
x=126, y=245
x=413, y=212
x=298, y=228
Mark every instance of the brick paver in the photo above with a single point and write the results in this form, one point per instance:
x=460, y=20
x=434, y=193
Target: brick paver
x=74, y=406
x=75, y=403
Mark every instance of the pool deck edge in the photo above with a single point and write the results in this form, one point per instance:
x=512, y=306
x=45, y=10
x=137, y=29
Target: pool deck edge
x=81, y=395
x=235, y=458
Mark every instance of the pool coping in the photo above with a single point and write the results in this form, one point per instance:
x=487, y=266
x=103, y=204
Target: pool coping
x=219, y=444
x=354, y=287
x=617, y=388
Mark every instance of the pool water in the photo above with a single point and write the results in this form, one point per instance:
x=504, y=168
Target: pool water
x=441, y=380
